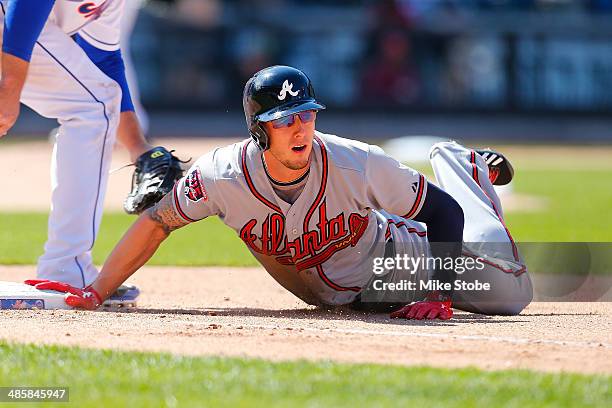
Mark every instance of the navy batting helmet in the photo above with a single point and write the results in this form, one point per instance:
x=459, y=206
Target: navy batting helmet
x=273, y=93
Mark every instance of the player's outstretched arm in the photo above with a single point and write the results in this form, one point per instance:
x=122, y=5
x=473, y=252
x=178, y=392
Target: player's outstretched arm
x=135, y=248
x=138, y=245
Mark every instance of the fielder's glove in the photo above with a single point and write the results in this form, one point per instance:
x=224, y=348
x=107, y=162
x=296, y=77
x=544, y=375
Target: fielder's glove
x=86, y=298
x=156, y=172
x=435, y=306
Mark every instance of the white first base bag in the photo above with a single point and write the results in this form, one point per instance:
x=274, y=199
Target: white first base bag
x=19, y=296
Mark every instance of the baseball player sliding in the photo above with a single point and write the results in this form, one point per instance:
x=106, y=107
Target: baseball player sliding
x=62, y=59
x=317, y=210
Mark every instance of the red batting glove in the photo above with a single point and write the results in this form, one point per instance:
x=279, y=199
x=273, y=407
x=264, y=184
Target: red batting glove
x=86, y=298
x=34, y=282
x=435, y=306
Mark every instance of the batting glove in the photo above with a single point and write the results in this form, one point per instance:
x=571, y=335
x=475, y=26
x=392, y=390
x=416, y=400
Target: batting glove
x=435, y=306
x=86, y=298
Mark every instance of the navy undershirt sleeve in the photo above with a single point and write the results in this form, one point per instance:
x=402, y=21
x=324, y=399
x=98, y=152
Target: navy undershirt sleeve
x=23, y=23
x=111, y=63
x=442, y=215
x=445, y=220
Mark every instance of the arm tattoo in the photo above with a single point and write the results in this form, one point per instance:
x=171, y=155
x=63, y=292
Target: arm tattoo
x=164, y=214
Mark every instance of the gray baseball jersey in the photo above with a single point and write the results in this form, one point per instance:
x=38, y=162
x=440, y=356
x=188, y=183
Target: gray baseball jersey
x=319, y=247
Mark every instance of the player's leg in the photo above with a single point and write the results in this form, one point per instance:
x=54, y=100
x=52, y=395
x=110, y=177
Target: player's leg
x=403, y=239
x=64, y=84
x=463, y=174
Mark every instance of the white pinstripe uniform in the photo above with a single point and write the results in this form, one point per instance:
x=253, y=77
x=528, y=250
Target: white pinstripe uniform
x=64, y=84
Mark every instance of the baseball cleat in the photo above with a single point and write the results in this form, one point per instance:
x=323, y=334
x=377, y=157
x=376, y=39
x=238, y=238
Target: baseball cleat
x=125, y=296
x=500, y=169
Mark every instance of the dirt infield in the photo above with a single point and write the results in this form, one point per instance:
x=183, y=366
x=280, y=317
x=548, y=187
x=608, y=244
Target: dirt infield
x=22, y=163
x=243, y=312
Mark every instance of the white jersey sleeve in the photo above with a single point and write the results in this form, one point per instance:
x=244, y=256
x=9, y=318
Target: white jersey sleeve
x=393, y=187
x=195, y=195
x=105, y=31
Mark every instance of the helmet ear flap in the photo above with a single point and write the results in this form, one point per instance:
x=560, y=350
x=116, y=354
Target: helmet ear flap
x=259, y=135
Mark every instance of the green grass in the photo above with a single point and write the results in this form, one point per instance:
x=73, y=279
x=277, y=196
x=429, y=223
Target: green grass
x=578, y=209
x=579, y=204
x=108, y=378
x=207, y=242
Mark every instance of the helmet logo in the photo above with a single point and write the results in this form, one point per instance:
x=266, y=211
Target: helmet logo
x=287, y=87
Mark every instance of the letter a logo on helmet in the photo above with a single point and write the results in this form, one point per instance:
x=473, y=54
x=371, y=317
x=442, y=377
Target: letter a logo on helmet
x=265, y=98
x=287, y=87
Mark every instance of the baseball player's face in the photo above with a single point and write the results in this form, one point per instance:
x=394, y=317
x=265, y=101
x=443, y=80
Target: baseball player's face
x=291, y=139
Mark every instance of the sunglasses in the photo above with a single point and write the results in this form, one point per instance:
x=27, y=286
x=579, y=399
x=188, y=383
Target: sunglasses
x=287, y=121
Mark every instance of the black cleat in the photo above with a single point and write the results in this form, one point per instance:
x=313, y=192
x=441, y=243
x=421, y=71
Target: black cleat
x=500, y=169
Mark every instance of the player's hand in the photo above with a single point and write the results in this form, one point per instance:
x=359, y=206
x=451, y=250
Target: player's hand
x=86, y=298
x=435, y=306
x=9, y=106
x=13, y=77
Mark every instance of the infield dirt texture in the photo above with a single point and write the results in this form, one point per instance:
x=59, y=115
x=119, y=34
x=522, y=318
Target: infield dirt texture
x=243, y=312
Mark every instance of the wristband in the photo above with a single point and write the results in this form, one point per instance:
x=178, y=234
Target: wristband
x=94, y=293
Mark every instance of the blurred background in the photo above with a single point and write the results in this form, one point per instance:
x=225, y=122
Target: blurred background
x=531, y=78
x=478, y=69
